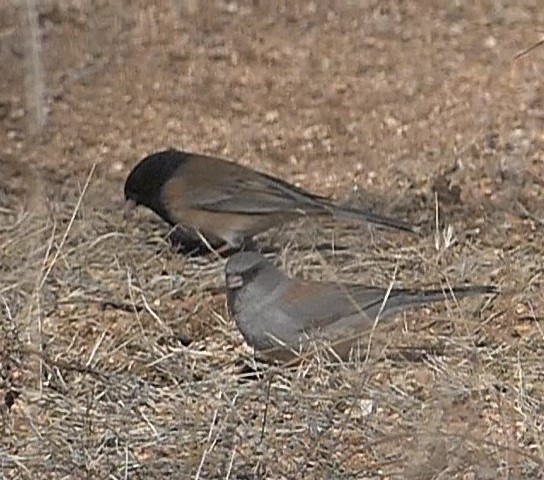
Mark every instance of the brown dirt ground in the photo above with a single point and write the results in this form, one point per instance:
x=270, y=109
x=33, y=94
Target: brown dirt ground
x=117, y=359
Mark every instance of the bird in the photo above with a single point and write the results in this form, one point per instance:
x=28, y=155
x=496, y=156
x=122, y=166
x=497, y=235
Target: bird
x=225, y=202
x=278, y=315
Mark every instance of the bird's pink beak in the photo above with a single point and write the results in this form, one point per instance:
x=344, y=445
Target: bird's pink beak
x=234, y=281
x=129, y=206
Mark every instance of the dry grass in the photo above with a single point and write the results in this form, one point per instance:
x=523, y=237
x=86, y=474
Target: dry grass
x=116, y=356
x=125, y=364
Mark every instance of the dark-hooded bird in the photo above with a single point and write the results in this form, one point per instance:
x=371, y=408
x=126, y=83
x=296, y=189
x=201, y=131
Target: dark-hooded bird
x=226, y=202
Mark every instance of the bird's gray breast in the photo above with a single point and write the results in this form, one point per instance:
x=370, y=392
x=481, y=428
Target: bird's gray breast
x=260, y=318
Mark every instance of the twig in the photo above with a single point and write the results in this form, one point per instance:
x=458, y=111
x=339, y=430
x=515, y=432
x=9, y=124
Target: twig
x=69, y=227
x=528, y=50
x=70, y=367
x=35, y=83
x=527, y=213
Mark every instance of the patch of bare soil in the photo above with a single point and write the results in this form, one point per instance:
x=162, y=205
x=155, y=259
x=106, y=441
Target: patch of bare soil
x=117, y=359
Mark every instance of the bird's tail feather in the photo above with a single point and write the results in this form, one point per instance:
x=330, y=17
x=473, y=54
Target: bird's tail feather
x=399, y=299
x=358, y=215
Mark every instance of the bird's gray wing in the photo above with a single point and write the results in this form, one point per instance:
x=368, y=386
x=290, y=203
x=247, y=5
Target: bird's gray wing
x=374, y=301
x=319, y=305
x=316, y=305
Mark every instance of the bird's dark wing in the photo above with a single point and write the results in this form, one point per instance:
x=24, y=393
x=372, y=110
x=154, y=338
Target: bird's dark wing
x=216, y=185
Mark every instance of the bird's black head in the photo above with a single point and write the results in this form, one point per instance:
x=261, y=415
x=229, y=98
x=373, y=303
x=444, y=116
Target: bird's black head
x=243, y=267
x=145, y=181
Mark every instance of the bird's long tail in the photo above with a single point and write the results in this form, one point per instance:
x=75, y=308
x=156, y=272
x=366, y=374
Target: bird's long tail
x=352, y=214
x=400, y=299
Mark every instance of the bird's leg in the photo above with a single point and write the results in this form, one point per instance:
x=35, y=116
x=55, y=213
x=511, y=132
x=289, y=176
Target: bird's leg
x=186, y=242
x=225, y=249
x=249, y=245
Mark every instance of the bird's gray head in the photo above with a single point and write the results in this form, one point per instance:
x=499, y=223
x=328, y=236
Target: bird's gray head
x=243, y=267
